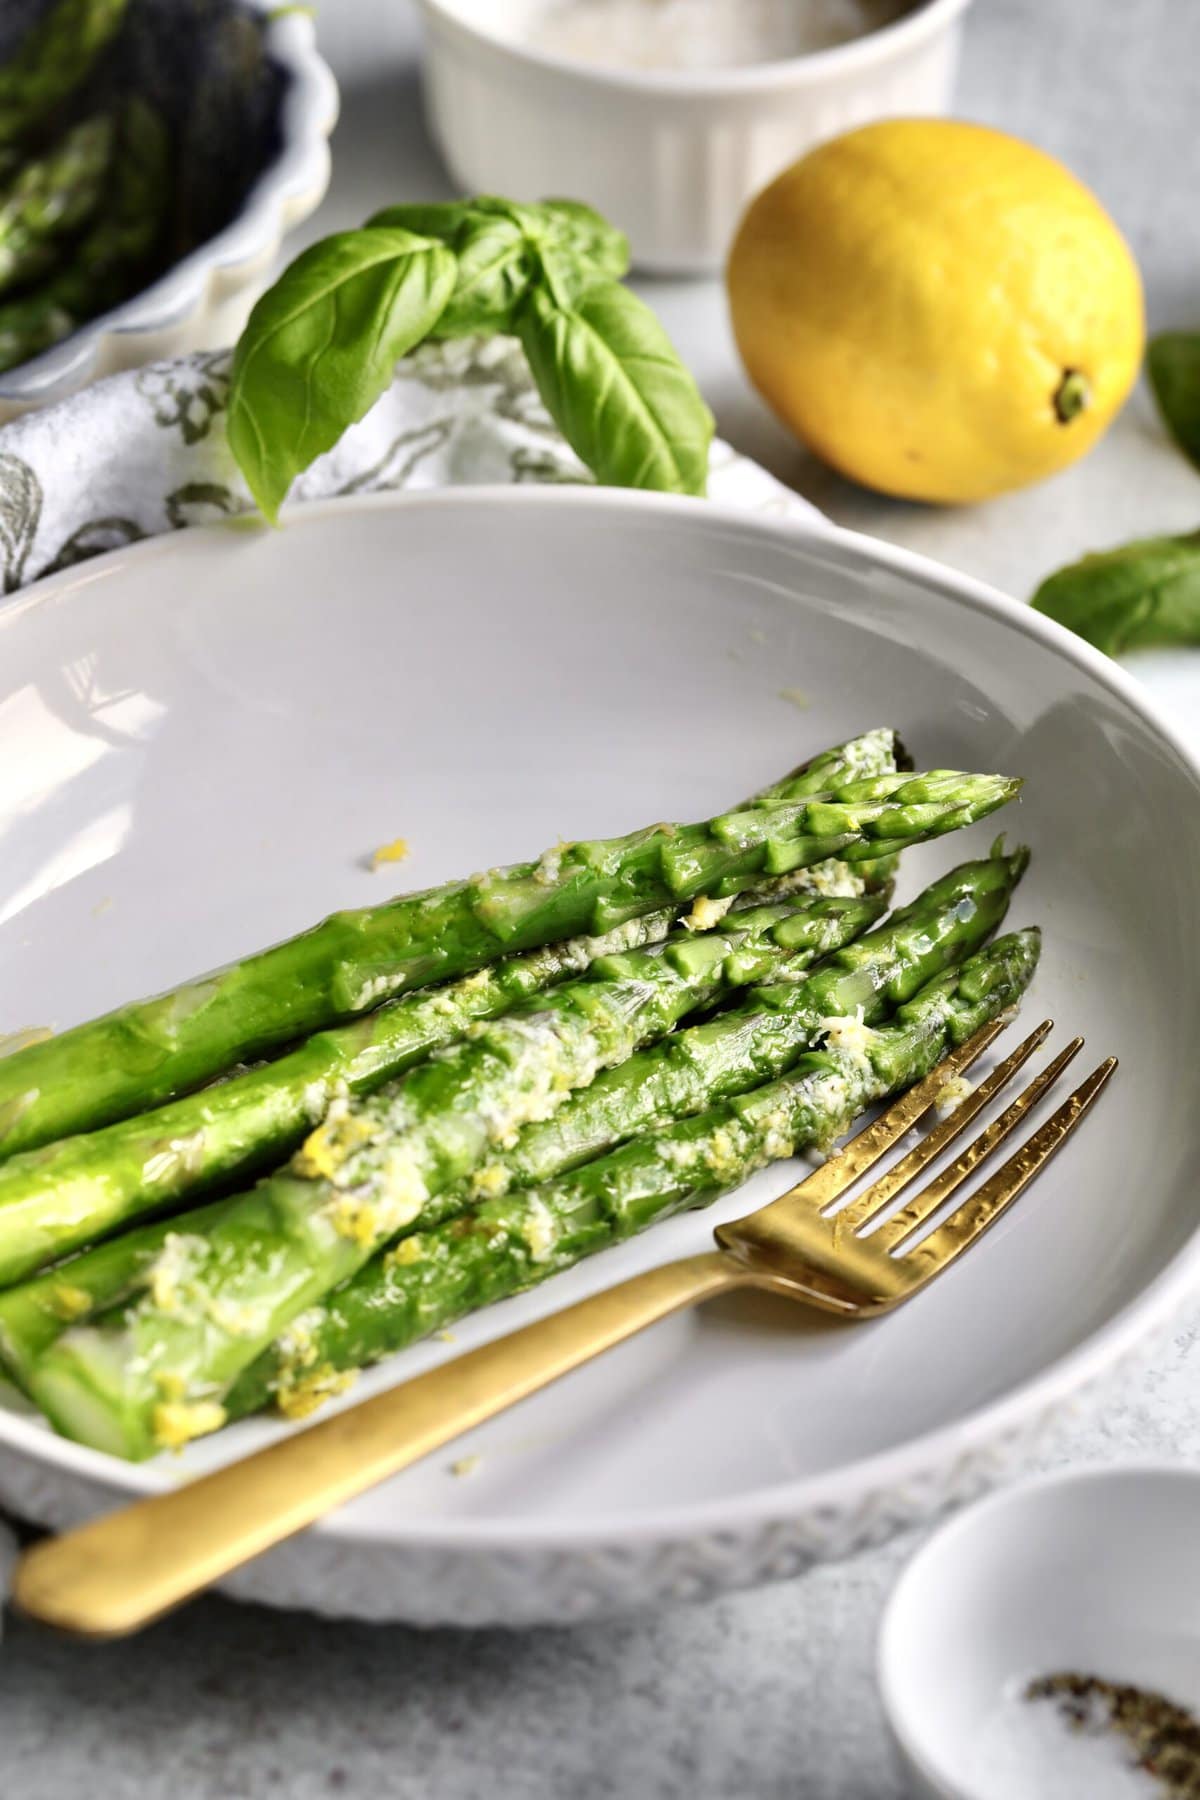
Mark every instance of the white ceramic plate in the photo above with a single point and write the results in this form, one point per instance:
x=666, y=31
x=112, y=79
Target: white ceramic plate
x=202, y=737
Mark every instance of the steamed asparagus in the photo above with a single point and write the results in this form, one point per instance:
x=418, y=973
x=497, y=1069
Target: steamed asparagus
x=512, y=1243
x=737, y=1051
x=368, y=1169
x=157, y=1373
x=111, y=257
x=52, y=197
x=53, y=58
x=149, y=1051
x=754, y=1041
x=70, y=1193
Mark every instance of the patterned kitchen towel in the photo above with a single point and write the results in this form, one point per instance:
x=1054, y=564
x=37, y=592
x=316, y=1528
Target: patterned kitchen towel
x=145, y=452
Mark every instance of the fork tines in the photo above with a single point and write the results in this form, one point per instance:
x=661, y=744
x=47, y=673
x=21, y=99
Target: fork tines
x=867, y=1216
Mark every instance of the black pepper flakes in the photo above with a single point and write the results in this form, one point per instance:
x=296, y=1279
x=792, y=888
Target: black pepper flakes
x=1164, y=1737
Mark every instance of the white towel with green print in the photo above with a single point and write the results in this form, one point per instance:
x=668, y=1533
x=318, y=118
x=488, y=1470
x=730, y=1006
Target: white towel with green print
x=145, y=452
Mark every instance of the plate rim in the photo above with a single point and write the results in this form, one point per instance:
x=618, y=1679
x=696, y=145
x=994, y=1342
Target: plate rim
x=851, y=1484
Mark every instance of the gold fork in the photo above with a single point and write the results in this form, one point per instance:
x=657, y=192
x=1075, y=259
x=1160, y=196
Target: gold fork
x=125, y=1569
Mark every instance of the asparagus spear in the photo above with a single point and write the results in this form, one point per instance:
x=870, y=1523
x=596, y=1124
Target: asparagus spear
x=368, y=1169
x=74, y=1191
x=878, y=752
x=110, y=259
x=50, y=199
x=512, y=1243
x=158, y=1372
x=38, y=1311
x=151, y=1050
x=53, y=59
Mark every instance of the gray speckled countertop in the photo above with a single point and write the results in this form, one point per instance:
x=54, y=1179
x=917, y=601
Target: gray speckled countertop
x=766, y=1695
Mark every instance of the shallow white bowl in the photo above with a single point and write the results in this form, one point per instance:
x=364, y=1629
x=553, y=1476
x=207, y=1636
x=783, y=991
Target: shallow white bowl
x=202, y=737
x=671, y=157
x=1097, y=1571
x=202, y=301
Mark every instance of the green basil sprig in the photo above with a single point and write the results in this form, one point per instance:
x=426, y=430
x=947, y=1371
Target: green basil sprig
x=1173, y=365
x=1142, y=596
x=319, y=348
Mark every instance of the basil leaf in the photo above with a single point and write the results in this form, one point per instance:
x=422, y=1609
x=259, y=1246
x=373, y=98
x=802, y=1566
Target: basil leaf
x=1143, y=596
x=590, y=236
x=495, y=264
x=321, y=346
x=1173, y=365
x=612, y=382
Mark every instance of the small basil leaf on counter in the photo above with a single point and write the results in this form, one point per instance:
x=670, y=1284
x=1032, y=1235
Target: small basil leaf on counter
x=321, y=346
x=1143, y=596
x=1173, y=365
x=614, y=385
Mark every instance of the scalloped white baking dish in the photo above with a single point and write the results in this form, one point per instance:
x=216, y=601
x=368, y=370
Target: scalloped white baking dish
x=201, y=302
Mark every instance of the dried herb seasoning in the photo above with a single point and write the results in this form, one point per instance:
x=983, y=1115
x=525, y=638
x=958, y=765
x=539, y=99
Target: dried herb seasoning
x=1164, y=1737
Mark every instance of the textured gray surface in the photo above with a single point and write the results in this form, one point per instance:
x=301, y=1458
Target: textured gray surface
x=769, y=1694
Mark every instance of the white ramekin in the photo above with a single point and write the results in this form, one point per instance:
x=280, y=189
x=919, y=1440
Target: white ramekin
x=1089, y=1569
x=201, y=302
x=670, y=157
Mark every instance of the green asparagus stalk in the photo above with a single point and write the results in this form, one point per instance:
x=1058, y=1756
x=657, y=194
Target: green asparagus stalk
x=34, y=1314
x=53, y=59
x=72, y=1192
x=878, y=752
x=369, y=1168
x=51, y=198
x=111, y=258
x=149, y=1051
x=509, y=1244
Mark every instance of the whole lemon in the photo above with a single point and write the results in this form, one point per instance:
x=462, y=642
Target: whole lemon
x=940, y=310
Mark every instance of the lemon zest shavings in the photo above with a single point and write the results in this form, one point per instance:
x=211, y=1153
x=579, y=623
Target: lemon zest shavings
x=395, y=852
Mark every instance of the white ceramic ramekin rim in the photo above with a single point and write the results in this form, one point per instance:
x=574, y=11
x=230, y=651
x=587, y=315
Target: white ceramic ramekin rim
x=972, y=1521
x=291, y=186
x=926, y=20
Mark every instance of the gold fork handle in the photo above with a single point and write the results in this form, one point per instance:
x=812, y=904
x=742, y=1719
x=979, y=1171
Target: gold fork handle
x=129, y=1567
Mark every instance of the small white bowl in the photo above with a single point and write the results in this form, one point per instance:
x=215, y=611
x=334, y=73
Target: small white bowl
x=672, y=157
x=201, y=301
x=1095, y=1571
